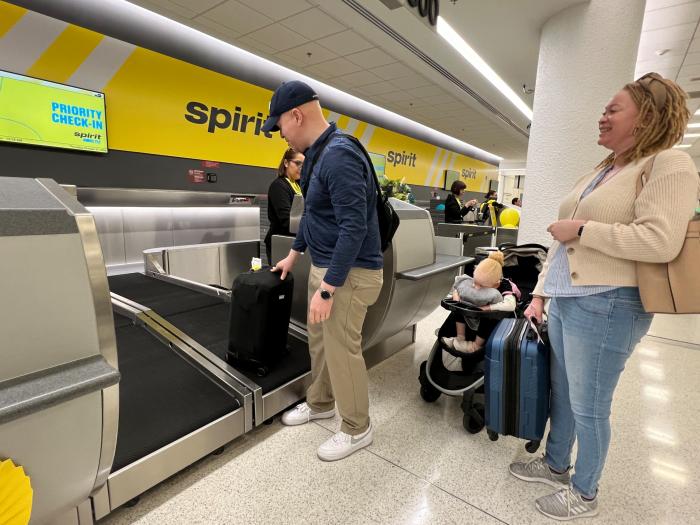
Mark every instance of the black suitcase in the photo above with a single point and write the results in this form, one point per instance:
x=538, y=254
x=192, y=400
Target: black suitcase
x=261, y=305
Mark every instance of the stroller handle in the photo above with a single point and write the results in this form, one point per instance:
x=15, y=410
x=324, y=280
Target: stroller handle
x=472, y=311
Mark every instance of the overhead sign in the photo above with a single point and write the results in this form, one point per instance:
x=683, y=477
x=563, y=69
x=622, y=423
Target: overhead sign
x=429, y=9
x=43, y=113
x=164, y=106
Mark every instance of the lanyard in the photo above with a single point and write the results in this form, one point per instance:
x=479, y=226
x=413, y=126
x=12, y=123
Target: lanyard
x=295, y=185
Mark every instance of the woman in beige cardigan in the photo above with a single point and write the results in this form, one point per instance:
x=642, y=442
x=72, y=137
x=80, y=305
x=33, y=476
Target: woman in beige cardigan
x=595, y=315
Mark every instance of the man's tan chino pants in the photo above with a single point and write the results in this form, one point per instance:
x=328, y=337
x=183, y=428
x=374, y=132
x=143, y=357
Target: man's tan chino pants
x=338, y=370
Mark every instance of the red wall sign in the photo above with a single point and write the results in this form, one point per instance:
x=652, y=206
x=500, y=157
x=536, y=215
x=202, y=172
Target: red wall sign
x=197, y=176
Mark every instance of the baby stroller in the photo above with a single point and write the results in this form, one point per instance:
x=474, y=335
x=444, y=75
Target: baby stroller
x=522, y=266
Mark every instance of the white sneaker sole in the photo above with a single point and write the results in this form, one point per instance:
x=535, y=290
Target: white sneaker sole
x=587, y=514
x=319, y=415
x=335, y=456
x=554, y=484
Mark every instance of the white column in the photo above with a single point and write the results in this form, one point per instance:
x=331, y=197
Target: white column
x=587, y=54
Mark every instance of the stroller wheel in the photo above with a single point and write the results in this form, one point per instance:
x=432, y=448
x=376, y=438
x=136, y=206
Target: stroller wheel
x=429, y=393
x=532, y=446
x=423, y=375
x=472, y=423
x=493, y=436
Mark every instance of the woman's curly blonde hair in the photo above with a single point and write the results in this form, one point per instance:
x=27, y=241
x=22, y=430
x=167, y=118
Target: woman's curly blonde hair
x=663, y=116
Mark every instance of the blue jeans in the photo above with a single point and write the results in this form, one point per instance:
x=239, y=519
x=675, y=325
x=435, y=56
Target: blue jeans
x=591, y=337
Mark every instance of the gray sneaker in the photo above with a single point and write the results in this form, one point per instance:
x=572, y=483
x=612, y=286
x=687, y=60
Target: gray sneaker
x=567, y=504
x=537, y=470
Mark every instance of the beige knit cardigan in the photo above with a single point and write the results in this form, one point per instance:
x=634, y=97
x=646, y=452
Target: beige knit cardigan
x=622, y=228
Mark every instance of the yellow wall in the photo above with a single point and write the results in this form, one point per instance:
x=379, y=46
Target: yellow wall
x=160, y=105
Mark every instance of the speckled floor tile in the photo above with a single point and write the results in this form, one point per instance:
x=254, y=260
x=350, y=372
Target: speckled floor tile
x=423, y=467
x=651, y=472
x=275, y=477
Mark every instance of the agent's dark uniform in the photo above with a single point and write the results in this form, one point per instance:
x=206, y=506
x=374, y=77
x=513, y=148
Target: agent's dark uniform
x=454, y=211
x=280, y=195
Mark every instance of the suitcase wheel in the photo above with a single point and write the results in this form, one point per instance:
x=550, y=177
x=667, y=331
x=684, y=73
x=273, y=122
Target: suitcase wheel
x=262, y=371
x=493, y=436
x=429, y=393
x=532, y=446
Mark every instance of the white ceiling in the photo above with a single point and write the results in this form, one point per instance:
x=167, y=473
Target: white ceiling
x=329, y=41
x=671, y=27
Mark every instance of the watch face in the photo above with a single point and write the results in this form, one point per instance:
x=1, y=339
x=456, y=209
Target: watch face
x=325, y=294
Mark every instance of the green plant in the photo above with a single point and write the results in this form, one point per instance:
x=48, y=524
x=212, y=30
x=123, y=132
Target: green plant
x=397, y=189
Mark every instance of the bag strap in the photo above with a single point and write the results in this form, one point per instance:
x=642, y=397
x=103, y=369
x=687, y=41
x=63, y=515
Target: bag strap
x=356, y=141
x=317, y=154
x=359, y=145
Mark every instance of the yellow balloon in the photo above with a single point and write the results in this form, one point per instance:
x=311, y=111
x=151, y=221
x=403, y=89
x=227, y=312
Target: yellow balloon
x=509, y=218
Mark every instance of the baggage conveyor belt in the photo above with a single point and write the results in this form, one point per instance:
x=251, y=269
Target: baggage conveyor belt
x=205, y=320
x=161, y=397
x=173, y=410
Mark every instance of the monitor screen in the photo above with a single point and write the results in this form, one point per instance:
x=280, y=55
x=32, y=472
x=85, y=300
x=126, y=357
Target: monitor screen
x=43, y=113
x=379, y=163
x=450, y=177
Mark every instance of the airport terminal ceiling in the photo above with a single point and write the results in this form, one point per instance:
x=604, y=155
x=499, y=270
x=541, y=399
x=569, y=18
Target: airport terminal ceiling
x=336, y=42
x=355, y=46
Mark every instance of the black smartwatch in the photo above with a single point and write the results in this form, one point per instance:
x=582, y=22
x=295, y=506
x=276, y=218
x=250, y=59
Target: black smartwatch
x=580, y=230
x=325, y=294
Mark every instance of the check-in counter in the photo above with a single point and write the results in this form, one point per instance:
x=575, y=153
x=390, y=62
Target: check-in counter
x=130, y=221
x=59, y=399
x=416, y=278
x=473, y=236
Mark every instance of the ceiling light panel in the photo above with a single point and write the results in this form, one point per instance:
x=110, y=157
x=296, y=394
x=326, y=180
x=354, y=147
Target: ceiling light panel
x=460, y=45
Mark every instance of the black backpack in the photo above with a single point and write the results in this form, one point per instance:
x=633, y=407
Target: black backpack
x=386, y=215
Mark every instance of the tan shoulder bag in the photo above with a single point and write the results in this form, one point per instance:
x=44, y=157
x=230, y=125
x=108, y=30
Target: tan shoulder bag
x=674, y=287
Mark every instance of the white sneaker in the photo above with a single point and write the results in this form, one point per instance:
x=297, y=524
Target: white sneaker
x=301, y=414
x=449, y=342
x=341, y=445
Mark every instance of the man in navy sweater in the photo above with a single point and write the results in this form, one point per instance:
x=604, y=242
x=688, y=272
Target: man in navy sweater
x=340, y=230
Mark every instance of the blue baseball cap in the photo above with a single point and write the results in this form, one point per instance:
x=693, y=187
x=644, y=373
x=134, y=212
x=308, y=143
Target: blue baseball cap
x=288, y=95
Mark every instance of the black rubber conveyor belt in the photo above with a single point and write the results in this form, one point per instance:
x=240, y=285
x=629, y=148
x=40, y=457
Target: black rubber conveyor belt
x=206, y=320
x=161, y=397
x=161, y=297
x=209, y=327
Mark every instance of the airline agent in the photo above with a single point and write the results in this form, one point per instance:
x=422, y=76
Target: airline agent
x=280, y=195
x=454, y=211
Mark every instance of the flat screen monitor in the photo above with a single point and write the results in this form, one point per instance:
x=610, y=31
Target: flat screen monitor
x=450, y=177
x=43, y=113
x=379, y=163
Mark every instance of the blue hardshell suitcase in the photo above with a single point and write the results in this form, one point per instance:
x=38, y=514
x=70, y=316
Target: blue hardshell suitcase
x=517, y=380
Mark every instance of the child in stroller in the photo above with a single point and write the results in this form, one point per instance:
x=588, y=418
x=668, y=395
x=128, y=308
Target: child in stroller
x=464, y=373
x=488, y=291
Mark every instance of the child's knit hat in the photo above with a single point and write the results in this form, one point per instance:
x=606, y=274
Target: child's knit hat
x=490, y=270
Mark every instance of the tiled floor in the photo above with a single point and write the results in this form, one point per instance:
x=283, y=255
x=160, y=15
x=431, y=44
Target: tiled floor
x=424, y=468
